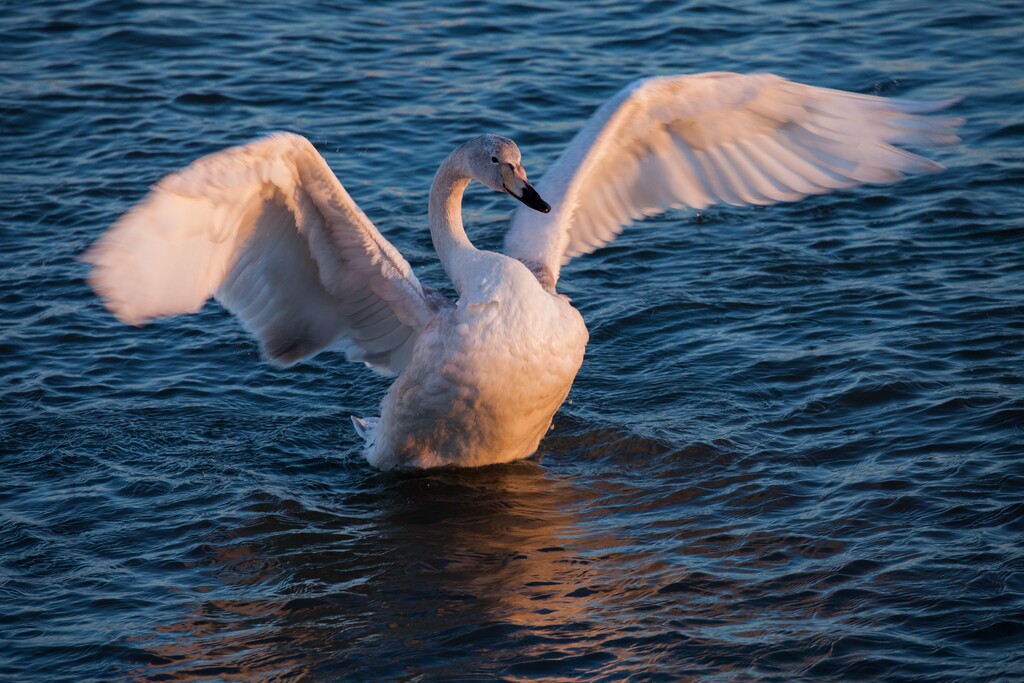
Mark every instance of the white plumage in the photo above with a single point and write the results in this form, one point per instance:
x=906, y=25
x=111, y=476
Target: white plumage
x=675, y=141
x=268, y=230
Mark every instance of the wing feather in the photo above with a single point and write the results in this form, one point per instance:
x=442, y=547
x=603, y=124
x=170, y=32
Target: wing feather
x=267, y=229
x=697, y=140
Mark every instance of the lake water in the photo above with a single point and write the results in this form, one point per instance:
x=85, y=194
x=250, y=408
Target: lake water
x=795, y=449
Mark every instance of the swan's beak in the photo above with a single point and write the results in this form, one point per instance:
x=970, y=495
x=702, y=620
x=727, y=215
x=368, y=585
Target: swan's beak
x=532, y=199
x=517, y=186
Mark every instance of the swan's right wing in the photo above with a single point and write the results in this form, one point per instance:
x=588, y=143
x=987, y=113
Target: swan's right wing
x=696, y=140
x=269, y=231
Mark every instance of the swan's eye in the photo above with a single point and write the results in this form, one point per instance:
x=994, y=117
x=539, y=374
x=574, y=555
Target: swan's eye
x=494, y=159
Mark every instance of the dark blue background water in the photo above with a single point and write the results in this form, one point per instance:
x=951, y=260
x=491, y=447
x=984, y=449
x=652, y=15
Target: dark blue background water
x=794, y=449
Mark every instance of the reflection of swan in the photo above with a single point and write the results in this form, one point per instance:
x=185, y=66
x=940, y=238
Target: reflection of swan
x=269, y=231
x=403, y=568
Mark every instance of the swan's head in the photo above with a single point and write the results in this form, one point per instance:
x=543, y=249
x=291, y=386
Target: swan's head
x=496, y=162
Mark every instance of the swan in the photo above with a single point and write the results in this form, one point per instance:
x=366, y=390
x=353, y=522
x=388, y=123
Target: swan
x=269, y=231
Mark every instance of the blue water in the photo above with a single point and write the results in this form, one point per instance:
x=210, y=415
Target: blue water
x=795, y=449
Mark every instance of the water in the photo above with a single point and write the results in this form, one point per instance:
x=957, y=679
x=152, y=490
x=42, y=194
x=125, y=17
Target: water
x=794, y=449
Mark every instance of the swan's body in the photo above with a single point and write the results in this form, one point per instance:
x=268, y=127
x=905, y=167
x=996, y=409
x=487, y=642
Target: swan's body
x=269, y=231
x=485, y=378
x=487, y=375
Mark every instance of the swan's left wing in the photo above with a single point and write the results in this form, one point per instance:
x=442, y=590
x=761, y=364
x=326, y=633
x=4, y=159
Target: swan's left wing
x=719, y=137
x=269, y=231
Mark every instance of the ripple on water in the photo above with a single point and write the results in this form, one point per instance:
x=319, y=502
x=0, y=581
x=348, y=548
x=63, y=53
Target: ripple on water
x=794, y=449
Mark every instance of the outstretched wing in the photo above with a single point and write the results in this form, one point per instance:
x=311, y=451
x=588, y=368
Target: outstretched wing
x=269, y=231
x=718, y=137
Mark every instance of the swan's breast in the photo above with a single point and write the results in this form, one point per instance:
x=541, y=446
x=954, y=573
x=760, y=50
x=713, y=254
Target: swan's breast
x=485, y=378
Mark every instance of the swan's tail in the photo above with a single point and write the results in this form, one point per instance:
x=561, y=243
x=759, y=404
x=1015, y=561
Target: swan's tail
x=365, y=427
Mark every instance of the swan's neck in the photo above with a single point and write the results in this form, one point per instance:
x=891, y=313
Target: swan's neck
x=445, y=215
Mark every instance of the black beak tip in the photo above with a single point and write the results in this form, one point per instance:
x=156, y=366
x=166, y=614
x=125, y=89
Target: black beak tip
x=533, y=200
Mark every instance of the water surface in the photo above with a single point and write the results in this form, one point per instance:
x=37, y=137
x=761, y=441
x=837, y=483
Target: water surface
x=794, y=449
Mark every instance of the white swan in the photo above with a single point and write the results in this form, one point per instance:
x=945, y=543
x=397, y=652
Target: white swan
x=268, y=230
